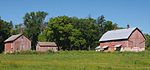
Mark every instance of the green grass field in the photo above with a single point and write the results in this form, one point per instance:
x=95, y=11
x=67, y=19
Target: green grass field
x=76, y=60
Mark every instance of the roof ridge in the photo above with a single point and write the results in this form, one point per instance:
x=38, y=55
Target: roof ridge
x=123, y=29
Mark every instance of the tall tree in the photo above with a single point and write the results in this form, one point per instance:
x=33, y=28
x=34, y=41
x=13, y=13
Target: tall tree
x=34, y=22
x=89, y=31
x=61, y=31
x=100, y=20
x=5, y=32
x=19, y=28
x=109, y=25
x=147, y=42
x=74, y=33
x=105, y=25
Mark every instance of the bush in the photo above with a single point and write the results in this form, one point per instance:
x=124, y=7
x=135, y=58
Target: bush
x=25, y=52
x=147, y=48
x=32, y=52
x=51, y=51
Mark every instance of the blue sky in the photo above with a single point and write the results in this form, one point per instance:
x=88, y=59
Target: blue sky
x=136, y=13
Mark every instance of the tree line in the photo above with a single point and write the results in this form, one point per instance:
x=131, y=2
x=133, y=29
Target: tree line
x=69, y=33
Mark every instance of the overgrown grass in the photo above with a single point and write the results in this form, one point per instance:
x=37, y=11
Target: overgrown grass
x=32, y=52
x=76, y=60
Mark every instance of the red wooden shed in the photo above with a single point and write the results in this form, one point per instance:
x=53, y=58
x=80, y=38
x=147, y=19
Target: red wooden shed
x=17, y=43
x=45, y=46
x=130, y=39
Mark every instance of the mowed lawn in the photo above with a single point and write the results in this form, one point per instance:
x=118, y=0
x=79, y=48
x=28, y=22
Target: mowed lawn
x=76, y=60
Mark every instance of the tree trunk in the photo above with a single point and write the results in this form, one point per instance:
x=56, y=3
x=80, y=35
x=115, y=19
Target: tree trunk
x=89, y=48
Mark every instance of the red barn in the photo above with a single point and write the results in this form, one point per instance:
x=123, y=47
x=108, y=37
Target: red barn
x=17, y=43
x=130, y=39
x=45, y=46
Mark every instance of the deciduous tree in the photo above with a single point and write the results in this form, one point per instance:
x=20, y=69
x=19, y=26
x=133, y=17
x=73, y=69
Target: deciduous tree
x=5, y=32
x=34, y=22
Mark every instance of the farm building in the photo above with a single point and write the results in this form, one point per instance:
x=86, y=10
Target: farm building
x=130, y=39
x=17, y=43
x=45, y=46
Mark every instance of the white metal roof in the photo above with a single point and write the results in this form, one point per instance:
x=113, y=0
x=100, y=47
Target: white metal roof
x=117, y=34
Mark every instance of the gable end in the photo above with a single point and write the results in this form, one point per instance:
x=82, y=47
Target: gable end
x=134, y=31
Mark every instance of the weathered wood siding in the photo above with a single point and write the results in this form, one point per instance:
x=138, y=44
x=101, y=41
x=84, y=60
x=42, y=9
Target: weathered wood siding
x=8, y=47
x=111, y=44
x=136, y=41
x=46, y=48
x=20, y=44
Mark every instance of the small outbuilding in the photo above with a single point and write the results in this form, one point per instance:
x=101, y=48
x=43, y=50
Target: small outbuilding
x=130, y=39
x=45, y=46
x=17, y=43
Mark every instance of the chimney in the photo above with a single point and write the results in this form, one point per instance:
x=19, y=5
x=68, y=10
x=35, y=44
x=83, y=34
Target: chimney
x=128, y=26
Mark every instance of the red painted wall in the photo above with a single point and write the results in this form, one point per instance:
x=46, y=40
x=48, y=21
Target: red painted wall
x=136, y=40
x=8, y=47
x=113, y=43
x=20, y=44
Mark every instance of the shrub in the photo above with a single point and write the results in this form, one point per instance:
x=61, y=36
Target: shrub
x=32, y=52
x=147, y=48
x=25, y=52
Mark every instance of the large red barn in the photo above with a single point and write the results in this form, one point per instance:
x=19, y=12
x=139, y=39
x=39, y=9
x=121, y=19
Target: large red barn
x=130, y=39
x=17, y=43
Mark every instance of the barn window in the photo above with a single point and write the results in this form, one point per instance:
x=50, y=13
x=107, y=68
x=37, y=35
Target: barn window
x=117, y=47
x=105, y=47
